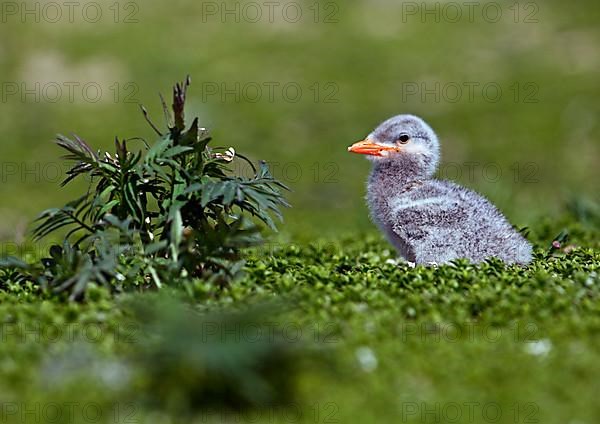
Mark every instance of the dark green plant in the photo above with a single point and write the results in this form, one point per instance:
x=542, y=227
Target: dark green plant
x=220, y=360
x=156, y=214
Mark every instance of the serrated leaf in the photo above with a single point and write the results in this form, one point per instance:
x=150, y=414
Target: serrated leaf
x=207, y=195
x=175, y=151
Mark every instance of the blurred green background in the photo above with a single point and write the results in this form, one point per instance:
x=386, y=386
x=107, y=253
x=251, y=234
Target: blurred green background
x=356, y=64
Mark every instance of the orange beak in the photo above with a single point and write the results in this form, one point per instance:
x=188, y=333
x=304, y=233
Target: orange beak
x=368, y=147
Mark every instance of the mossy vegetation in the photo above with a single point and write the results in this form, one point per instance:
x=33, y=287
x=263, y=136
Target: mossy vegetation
x=334, y=328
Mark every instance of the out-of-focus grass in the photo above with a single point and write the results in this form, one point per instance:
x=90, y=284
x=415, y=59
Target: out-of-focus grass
x=369, y=55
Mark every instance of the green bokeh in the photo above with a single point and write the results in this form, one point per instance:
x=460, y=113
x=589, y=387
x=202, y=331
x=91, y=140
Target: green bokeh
x=355, y=67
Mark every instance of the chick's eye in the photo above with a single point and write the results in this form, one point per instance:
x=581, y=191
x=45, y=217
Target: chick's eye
x=404, y=138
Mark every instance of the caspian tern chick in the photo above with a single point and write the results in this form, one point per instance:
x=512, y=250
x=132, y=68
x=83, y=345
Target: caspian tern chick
x=429, y=220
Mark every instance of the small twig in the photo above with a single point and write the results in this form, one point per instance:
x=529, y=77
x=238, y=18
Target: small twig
x=168, y=119
x=145, y=112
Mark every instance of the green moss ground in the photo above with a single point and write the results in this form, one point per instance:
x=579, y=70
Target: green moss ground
x=367, y=341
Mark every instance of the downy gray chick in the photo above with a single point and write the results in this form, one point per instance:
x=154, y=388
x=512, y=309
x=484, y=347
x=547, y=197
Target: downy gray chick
x=430, y=221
